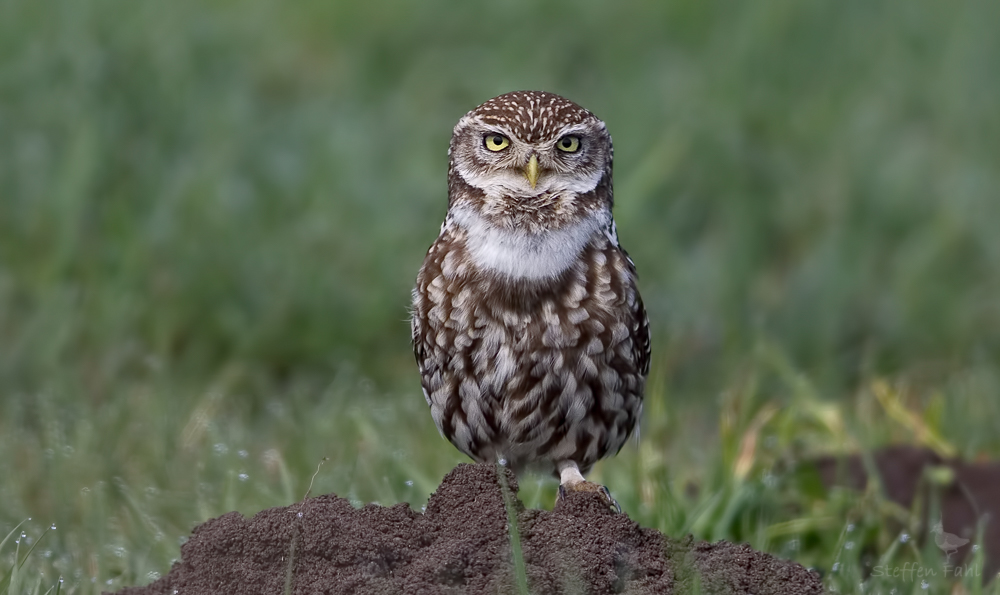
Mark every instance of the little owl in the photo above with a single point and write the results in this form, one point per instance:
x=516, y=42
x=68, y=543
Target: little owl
x=528, y=328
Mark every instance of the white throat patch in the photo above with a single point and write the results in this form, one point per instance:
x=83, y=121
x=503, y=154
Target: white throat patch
x=517, y=254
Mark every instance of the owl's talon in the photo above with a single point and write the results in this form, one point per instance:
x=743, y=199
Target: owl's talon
x=612, y=503
x=589, y=486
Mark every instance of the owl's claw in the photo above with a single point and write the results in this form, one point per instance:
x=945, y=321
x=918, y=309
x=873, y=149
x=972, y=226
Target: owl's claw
x=612, y=503
x=589, y=486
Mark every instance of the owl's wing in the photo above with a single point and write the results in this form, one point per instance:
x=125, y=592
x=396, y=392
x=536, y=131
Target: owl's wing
x=418, y=348
x=417, y=334
x=640, y=321
x=640, y=338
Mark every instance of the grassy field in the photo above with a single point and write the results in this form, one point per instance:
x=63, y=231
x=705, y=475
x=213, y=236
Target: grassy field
x=212, y=212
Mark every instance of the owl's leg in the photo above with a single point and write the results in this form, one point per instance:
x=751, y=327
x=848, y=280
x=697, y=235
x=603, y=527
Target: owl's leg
x=571, y=480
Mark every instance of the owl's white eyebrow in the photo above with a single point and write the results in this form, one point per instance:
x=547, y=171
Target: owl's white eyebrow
x=581, y=130
x=488, y=127
x=495, y=129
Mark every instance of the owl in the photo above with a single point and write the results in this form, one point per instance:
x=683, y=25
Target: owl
x=527, y=325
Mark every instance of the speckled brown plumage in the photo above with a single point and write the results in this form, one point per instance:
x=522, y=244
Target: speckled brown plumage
x=528, y=328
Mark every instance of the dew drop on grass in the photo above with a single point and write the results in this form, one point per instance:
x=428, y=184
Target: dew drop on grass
x=299, y=514
x=836, y=566
x=52, y=526
x=243, y=453
x=975, y=548
x=925, y=585
x=849, y=545
x=153, y=575
x=502, y=461
x=850, y=527
x=220, y=448
x=903, y=538
x=243, y=476
x=409, y=482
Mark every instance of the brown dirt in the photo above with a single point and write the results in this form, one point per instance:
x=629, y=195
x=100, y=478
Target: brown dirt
x=972, y=494
x=460, y=544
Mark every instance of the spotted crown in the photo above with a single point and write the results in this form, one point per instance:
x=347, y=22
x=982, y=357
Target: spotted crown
x=533, y=115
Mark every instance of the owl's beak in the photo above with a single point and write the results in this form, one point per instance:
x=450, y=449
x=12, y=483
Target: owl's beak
x=531, y=171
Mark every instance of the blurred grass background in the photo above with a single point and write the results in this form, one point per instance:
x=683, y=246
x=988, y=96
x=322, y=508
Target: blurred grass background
x=212, y=212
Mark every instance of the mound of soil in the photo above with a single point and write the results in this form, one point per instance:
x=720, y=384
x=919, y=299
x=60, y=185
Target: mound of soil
x=462, y=544
x=967, y=492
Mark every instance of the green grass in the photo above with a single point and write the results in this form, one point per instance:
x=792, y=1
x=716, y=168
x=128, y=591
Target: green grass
x=211, y=214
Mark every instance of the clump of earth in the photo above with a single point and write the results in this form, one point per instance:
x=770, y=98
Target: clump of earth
x=968, y=493
x=462, y=543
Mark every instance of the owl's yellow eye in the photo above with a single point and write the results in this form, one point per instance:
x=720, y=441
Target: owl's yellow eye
x=496, y=142
x=569, y=144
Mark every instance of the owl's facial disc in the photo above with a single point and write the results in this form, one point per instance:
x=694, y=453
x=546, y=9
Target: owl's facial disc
x=501, y=162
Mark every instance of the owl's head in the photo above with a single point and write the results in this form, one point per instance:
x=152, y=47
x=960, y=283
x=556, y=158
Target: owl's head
x=530, y=151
